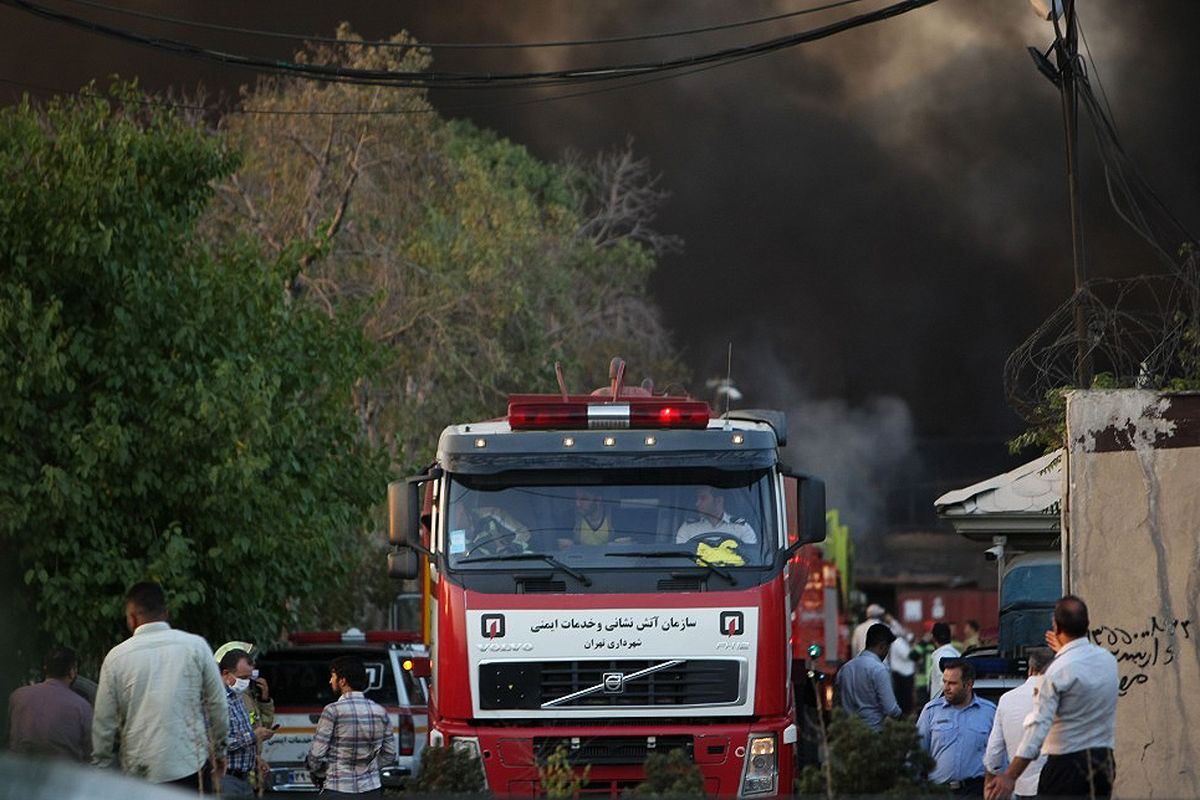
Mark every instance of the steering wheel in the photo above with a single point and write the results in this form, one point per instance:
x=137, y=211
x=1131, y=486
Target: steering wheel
x=495, y=532
x=714, y=539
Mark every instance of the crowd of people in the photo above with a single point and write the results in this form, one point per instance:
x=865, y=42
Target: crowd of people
x=912, y=663
x=1052, y=736
x=170, y=710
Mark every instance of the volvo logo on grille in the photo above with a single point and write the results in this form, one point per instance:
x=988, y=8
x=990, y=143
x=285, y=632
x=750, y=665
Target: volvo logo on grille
x=732, y=623
x=614, y=682
x=492, y=626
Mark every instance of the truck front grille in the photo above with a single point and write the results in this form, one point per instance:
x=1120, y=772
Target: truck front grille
x=609, y=750
x=530, y=685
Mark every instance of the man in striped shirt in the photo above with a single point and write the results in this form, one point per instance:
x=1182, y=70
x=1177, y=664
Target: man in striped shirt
x=354, y=737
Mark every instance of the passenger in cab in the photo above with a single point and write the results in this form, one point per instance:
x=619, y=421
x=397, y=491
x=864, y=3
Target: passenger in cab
x=712, y=518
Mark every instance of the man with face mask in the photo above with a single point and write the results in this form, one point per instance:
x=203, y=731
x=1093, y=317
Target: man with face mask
x=244, y=735
x=259, y=704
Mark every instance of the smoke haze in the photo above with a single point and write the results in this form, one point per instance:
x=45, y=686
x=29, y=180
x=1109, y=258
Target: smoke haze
x=879, y=217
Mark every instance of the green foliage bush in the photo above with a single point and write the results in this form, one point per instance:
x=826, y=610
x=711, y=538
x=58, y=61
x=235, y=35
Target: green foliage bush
x=862, y=761
x=669, y=775
x=448, y=771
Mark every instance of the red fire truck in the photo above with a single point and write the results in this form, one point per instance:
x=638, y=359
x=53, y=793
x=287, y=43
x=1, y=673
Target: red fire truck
x=616, y=573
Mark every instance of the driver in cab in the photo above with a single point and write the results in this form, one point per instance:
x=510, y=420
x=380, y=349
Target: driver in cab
x=712, y=519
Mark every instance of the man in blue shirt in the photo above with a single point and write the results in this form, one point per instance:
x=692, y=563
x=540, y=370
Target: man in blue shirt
x=864, y=684
x=954, y=729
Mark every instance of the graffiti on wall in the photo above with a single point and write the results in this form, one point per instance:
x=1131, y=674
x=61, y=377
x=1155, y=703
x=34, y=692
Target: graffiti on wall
x=1142, y=650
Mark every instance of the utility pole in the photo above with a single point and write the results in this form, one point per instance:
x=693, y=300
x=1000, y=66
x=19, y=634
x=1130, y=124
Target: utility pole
x=1066, y=51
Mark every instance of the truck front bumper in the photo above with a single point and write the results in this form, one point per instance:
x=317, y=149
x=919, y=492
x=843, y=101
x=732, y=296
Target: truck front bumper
x=737, y=759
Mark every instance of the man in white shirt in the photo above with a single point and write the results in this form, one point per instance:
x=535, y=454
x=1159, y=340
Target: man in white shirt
x=941, y=637
x=901, y=663
x=160, y=697
x=1008, y=728
x=710, y=504
x=1074, y=715
x=858, y=639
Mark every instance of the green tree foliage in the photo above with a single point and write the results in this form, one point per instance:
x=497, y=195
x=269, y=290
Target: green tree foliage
x=448, y=771
x=669, y=775
x=168, y=413
x=862, y=761
x=474, y=263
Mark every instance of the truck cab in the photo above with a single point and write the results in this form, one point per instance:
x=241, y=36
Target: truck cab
x=614, y=575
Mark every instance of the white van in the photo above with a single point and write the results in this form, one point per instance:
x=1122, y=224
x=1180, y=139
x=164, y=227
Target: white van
x=298, y=677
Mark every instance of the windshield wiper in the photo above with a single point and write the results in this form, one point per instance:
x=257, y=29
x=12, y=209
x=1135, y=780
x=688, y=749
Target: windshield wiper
x=549, y=559
x=728, y=576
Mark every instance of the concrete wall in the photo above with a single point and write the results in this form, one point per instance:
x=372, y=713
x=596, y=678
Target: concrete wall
x=1131, y=550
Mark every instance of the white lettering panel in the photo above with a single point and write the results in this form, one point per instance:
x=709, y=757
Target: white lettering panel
x=657, y=636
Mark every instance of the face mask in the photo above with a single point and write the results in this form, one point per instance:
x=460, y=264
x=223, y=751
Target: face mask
x=240, y=685
x=253, y=674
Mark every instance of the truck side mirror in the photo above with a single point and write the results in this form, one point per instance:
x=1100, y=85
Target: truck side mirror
x=810, y=495
x=404, y=512
x=403, y=564
x=805, y=509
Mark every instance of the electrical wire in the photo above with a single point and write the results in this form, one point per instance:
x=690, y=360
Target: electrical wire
x=441, y=109
x=463, y=45
x=1128, y=190
x=410, y=79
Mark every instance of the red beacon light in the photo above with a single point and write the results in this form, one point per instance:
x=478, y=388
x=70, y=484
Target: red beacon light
x=542, y=412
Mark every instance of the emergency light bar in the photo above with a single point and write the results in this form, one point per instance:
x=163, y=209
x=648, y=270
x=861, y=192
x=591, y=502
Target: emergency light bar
x=541, y=412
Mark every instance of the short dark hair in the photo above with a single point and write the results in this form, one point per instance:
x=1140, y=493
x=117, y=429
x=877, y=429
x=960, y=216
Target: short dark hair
x=973, y=623
x=59, y=661
x=351, y=669
x=1039, y=659
x=148, y=597
x=961, y=664
x=941, y=633
x=229, y=662
x=879, y=634
x=1071, y=616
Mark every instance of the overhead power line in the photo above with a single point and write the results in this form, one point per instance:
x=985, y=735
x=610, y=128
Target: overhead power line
x=642, y=37
x=473, y=80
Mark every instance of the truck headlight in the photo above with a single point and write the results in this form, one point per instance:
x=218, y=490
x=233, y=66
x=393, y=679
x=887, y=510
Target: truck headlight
x=467, y=744
x=760, y=772
x=470, y=745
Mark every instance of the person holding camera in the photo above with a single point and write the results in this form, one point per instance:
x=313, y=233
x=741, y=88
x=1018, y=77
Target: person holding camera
x=245, y=736
x=257, y=701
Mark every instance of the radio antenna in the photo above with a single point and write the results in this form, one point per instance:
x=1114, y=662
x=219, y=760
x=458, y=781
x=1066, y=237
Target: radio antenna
x=728, y=377
x=562, y=382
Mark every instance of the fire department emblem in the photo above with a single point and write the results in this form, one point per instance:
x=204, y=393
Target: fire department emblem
x=492, y=626
x=732, y=623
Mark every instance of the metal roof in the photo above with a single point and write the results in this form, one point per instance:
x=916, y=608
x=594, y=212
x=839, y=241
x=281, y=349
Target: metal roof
x=1026, y=500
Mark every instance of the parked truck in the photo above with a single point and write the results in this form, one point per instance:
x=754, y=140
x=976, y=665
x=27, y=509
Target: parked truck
x=664, y=623
x=1017, y=514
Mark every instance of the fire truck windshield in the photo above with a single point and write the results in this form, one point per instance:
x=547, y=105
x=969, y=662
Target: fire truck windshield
x=612, y=518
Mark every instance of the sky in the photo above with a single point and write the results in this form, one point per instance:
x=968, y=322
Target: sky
x=871, y=222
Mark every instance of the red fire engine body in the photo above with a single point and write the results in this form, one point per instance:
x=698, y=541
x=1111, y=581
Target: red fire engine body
x=618, y=574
